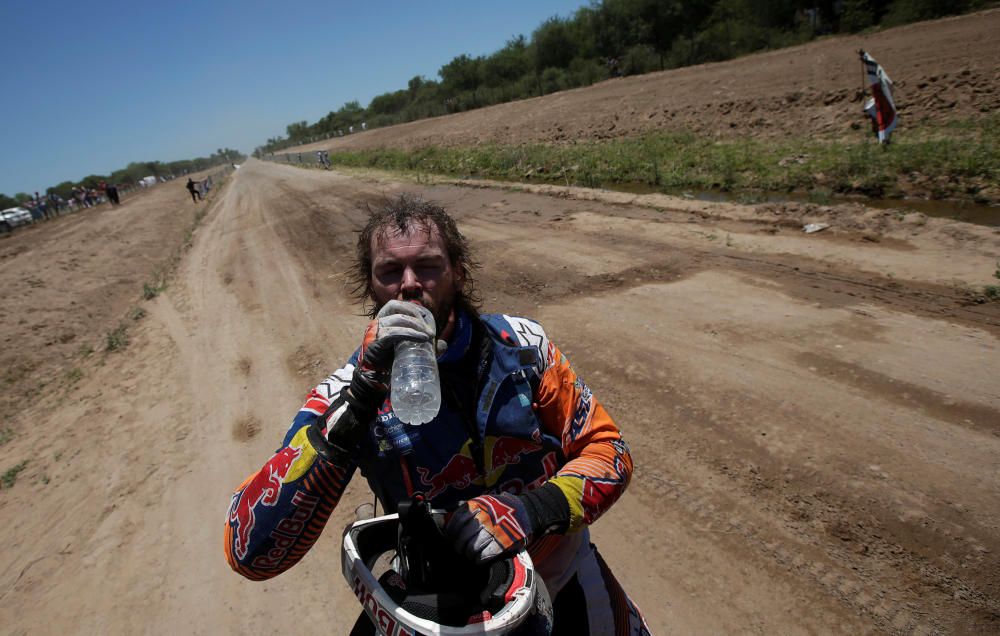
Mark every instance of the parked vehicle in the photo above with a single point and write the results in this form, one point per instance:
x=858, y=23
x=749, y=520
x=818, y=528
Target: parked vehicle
x=12, y=217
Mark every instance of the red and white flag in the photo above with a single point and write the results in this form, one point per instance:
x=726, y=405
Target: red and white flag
x=879, y=106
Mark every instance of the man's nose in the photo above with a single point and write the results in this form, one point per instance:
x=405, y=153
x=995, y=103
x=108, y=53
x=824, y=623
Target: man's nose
x=410, y=281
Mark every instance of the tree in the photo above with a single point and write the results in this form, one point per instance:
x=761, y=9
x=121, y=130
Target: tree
x=389, y=103
x=461, y=75
x=507, y=65
x=298, y=130
x=553, y=45
x=64, y=189
x=857, y=15
x=414, y=85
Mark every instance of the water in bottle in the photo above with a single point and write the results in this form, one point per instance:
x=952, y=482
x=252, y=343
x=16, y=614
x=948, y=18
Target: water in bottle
x=415, y=389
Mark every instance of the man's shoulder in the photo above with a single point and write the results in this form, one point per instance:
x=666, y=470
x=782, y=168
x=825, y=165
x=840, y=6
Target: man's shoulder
x=518, y=331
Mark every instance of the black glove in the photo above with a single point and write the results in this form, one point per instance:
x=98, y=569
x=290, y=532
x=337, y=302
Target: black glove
x=501, y=525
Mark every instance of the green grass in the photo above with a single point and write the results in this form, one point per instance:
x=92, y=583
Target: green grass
x=6, y=435
x=952, y=161
x=116, y=339
x=74, y=375
x=10, y=476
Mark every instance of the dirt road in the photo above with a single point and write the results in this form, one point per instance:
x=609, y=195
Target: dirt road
x=815, y=419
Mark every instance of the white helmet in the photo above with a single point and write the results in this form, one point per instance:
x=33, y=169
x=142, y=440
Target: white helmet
x=430, y=589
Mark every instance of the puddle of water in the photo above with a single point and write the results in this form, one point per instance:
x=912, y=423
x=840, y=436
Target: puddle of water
x=966, y=211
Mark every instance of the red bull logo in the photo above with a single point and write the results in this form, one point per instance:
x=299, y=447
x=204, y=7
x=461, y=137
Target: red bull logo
x=458, y=473
x=508, y=450
x=264, y=489
x=461, y=471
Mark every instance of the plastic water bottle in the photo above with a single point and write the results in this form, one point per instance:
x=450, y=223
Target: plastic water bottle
x=415, y=387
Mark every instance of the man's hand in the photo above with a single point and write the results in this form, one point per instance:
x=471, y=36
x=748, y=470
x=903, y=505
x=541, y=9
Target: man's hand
x=489, y=527
x=396, y=322
x=349, y=415
x=501, y=525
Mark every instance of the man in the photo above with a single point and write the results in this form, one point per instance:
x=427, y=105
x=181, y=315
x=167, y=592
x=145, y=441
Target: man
x=193, y=189
x=517, y=432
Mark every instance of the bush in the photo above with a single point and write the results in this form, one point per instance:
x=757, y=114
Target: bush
x=117, y=339
x=640, y=59
x=857, y=16
x=149, y=292
x=10, y=476
x=553, y=80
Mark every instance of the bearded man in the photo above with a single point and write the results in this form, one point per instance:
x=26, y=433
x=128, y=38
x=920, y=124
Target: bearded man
x=517, y=430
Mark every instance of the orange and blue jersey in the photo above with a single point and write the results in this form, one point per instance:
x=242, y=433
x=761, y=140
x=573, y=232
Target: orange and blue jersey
x=514, y=415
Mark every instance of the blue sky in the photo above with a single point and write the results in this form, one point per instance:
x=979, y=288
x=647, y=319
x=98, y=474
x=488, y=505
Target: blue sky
x=89, y=87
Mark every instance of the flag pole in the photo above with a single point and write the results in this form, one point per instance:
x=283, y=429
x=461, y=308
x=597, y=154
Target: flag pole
x=864, y=86
x=864, y=75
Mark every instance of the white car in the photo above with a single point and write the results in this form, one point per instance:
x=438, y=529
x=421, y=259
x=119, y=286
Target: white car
x=13, y=217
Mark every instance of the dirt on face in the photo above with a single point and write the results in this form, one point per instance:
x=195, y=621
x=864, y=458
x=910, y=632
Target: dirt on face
x=814, y=418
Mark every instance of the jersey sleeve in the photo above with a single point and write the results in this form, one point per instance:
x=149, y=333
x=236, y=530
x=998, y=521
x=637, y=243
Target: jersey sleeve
x=599, y=464
x=277, y=513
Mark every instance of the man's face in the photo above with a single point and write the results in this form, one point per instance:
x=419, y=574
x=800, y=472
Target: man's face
x=414, y=265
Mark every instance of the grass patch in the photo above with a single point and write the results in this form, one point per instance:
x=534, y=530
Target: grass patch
x=116, y=339
x=10, y=475
x=151, y=291
x=136, y=313
x=6, y=435
x=992, y=292
x=952, y=161
x=74, y=375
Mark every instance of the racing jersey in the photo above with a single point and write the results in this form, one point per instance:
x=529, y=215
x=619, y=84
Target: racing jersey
x=514, y=415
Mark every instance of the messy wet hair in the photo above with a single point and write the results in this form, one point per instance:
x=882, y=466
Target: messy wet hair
x=403, y=213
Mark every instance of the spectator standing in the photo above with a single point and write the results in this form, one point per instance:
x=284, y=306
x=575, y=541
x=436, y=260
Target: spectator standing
x=32, y=205
x=40, y=205
x=56, y=204
x=193, y=189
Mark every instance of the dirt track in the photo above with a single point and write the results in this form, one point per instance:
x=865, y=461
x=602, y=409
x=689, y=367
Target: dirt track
x=817, y=442
x=815, y=419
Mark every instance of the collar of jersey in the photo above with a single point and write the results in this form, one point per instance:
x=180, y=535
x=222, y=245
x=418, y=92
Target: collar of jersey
x=460, y=339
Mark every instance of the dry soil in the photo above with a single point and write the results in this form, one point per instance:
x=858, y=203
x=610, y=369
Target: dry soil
x=815, y=419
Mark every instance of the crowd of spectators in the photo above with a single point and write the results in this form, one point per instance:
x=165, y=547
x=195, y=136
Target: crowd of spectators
x=49, y=206
x=52, y=205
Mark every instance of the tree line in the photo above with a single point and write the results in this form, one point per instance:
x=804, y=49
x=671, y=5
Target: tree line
x=616, y=37
x=131, y=173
